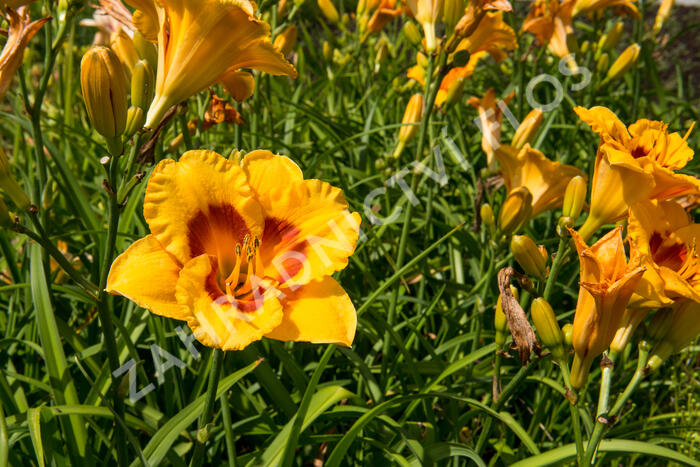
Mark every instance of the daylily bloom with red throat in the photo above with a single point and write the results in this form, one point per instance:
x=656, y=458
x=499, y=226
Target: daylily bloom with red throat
x=607, y=281
x=550, y=22
x=544, y=178
x=633, y=164
x=19, y=33
x=626, y=7
x=666, y=239
x=242, y=251
x=195, y=50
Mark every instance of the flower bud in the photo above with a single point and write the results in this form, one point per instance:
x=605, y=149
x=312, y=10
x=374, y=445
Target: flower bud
x=147, y=50
x=382, y=53
x=585, y=46
x=610, y=40
x=659, y=325
x=412, y=115
x=487, y=217
x=329, y=11
x=327, y=51
x=142, y=85
x=454, y=92
x=630, y=320
x=603, y=63
x=574, y=197
x=9, y=185
x=516, y=210
x=661, y=352
x=453, y=11
x=500, y=321
x=528, y=256
x=662, y=14
x=527, y=129
x=124, y=47
x=547, y=327
x=104, y=91
x=422, y=60
x=286, y=40
x=135, y=119
x=412, y=33
x=568, y=331
x=624, y=62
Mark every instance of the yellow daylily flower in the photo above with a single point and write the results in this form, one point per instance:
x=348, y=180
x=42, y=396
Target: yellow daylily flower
x=633, y=164
x=607, y=281
x=427, y=13
x=550, y=22
x=196, y=50
x=626, y=7
x=545, y=179
x=19, y=33
x=666, y=239
x=242, y=251
x=490, y=116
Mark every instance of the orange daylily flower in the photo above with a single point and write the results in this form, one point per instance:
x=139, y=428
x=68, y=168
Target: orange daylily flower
x=385, y=12
x=633, y=164
x=196, y=50
x=490, y=116
x=666, y=239
x=427, y=13
x=627, y=7
x=242, y=251
x=545, y=179
x=19, y=33
x=607, y=282
x=550, y=22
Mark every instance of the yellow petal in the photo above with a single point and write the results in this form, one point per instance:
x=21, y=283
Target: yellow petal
x=604, y=122
x=201, y=204
x=309, y=232
x=267, y=171
x=146, y=274
x=240, y=84
x=319, y=312
x=218, y=320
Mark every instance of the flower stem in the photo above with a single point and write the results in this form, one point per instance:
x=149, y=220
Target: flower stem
x=208, y=412
x=573, y=407
x=562, y=252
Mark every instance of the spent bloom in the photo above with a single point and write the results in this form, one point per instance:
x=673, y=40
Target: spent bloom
x=633, y=164
x=196, y=50
x=242, y=251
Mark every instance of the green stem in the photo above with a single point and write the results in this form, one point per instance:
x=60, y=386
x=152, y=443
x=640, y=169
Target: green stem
x=208, y=412
x=557, y=264
x=573, y=407
x=228, y=431
x=4, y=448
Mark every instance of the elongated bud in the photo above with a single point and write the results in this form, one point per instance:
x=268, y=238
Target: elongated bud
x=603, y=63
x=147, y=50
x=5, y=218
x=422, y=60
x=630, y=320
x=329, y=11
x=661, y=352
x=412, y=115
x=382, y=54
x=135, y=119
x=528, y=129
x=568, y=331
x=662, y=14
x=454, y=10
x=104, y=91
x=528, y=256
x=574, y=197
x=142, y=85
x=412, y=33
x=327, y=51
x=282, y=7
x=124, y=47
x=610, y=40
x=286, y=40
x=454, y=92
x=659, y=325
x=585, y=46
x=500, y=321
x=547, y=328
x=9, y=185
x=516, y=210
x=624, y=62
x=487, y=217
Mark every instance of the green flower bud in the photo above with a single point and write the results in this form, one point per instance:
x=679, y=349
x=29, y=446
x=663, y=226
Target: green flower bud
x=134, y=121
x=143, y=85
x=568, y=331
x=574, y=197
x=610, y=39
x=412, y=33
x=487, y=217
x=603, y=63
x=547, y=328
x=516, y=210
x=146, y=50
x=529, y=256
